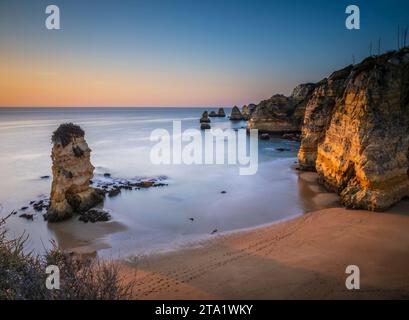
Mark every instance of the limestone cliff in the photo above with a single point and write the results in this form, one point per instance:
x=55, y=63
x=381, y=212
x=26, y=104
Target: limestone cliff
x=356, y=132
x=245, y=111
x=318, y=114
x=281, y=114
x=72, y=172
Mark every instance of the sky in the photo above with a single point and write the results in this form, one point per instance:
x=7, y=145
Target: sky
x=181, y=53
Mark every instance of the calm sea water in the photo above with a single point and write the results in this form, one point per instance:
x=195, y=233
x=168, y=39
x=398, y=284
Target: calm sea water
x=145, y=220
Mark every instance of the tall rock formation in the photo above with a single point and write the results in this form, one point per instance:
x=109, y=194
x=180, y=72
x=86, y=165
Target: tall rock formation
x=356, y=131
x=235, y=114
x=281, y=114
x=205, y=118
x=72, y=172
x=221, y=113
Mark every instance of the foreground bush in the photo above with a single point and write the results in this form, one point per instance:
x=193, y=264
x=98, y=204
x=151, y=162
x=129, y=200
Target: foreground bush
x=23, y=276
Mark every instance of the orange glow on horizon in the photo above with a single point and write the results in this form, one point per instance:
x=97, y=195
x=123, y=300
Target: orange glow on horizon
x=59, y=84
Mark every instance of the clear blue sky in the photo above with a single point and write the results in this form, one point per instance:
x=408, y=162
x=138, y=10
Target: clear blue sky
x=181, y=52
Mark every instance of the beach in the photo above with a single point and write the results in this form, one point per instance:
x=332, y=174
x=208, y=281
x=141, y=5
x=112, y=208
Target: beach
x=303, y=258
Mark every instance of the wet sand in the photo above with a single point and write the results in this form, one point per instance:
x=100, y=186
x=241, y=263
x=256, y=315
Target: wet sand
x=302, y=258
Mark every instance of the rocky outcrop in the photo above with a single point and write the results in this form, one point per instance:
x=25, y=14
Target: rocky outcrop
x=205, y=118
x=221, y=113
x=281, y=114
x=72, y=171
x=245, y=111
x=236, y=114
x=356, y=132
x=213, y=114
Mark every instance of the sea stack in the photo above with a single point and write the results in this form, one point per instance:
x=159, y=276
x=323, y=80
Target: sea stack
x=221, y=113
x=205, y=118
x=72, y=171
x=236, y=114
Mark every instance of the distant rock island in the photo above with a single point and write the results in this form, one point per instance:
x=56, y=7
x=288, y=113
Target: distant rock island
x=355, y=129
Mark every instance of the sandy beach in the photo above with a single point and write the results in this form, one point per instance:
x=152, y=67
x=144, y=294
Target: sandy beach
x=304, y=258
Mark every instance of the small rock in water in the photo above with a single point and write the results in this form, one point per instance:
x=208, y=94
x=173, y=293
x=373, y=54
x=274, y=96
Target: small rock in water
x=146, y=184
x=214, y=231
x=45, y=177
x=26, y=216
x=191, y=219
x=40, y=205
x=23, y=208
x=107, y=175
x=283, y=149
x=265, y=136
x=95, y=215
x=223, y=192
x=13, y=212
x=114, y=193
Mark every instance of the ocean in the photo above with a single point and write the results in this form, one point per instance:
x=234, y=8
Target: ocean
x=143, y=221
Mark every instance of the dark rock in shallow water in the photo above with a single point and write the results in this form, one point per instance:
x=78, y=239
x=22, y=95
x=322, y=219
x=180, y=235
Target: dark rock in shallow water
x=113, y=186
x=283, y=149
x=214, y=231
x=264, y=136
x=114, y=193
x=95, y=215
x=23, y=208
x=223, y=192
x=27, y=216
x=45, y=177
x=213, y=114
x=291, y=136
x=107, y=175
x=40, y=205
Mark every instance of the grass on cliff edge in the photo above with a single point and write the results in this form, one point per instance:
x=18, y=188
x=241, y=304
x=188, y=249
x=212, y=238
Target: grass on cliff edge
x=23, y=274
x=65, y=133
